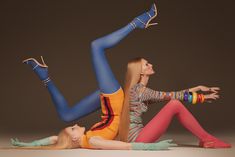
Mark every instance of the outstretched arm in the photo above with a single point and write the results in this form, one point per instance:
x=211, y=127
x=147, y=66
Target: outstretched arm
x=100, y=143
x=41, y=142
x=188, y=95
x=205, y=89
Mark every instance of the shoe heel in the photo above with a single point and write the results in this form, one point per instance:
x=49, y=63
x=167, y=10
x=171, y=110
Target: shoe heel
x=143, y=20
x=43, y=65
x=43, y=62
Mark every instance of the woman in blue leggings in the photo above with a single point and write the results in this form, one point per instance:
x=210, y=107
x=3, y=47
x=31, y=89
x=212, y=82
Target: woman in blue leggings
x=109, y=97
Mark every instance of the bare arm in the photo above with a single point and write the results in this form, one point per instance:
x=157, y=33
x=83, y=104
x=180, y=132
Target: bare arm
x=100, y=143
x=205, y=89
x=194, y=89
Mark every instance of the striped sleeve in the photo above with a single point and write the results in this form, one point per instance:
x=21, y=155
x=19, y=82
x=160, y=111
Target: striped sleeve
x=151, y=96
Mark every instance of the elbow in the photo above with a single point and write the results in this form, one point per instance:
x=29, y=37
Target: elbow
x=65, y=119
x=96, y=44
x=93, y=142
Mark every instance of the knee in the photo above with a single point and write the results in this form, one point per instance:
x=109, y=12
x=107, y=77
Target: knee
x=95, y=44
x=176, y=104
x=65, y=117
x=175, y=101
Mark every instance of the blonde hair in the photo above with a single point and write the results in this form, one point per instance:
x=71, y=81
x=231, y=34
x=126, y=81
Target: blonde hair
x=132, y=77
x=64, y=142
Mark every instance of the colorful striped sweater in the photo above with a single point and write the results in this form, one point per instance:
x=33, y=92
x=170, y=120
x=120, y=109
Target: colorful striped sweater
x=140, y=97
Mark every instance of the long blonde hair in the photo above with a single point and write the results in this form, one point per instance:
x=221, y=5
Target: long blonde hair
x=132, y=77
x=64, y=141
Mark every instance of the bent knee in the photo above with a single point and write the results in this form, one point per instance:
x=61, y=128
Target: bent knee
x=65, y=117
x=175, y=103
x=95, y=44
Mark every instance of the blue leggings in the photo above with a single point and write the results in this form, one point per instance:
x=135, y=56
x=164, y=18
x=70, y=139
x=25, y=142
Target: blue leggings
x=106, y=81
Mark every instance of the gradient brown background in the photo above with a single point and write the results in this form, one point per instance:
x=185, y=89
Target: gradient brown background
x=192, y=45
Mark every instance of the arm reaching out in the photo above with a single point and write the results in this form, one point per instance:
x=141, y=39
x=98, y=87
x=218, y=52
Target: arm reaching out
x=100, y=143
x=41, y=142
x=151, y=96
x=208, y=89
x=190, y=95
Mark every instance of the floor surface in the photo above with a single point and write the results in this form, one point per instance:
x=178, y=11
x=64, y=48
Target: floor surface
x=187, y=147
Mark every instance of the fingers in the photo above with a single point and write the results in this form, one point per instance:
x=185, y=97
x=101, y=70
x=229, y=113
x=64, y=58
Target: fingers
x=211, y=96
x=214, y=89
x=16, y=142
x=216, y=96
x=12, y=141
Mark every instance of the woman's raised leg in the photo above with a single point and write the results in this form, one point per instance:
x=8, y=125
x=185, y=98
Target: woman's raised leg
x=82, y=108
x=106, y=80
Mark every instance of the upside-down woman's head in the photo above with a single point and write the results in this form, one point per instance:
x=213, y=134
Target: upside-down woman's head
x=75, y=133
x=70, y=137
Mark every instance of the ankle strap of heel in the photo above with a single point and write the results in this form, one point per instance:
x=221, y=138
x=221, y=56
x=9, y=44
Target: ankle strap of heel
x=46, y=81
x=133, y=24
x=35, y=67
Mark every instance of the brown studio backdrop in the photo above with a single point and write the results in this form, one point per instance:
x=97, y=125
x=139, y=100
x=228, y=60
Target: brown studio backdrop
x=191, y=45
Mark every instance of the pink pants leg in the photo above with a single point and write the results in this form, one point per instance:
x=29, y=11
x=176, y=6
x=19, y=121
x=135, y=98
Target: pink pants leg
x=158, y=125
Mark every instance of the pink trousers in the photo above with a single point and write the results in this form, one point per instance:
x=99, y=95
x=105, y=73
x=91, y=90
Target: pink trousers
x=158, y=125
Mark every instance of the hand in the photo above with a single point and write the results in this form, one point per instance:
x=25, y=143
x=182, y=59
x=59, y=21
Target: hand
x=16, y=142
x=209, y=97
x=165, y=144
x=209, y=89
x=161, y=145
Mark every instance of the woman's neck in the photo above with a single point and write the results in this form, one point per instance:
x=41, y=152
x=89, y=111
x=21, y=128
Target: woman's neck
x=144, y=80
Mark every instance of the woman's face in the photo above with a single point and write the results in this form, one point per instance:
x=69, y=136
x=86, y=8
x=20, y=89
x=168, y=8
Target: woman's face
x=147, y=68
x=75, y=131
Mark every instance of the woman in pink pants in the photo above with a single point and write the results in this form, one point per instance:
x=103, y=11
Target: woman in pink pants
x=138, y=96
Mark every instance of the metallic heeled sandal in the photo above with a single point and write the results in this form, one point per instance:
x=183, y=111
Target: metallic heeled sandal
x=40, y=69
x=143, y=20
